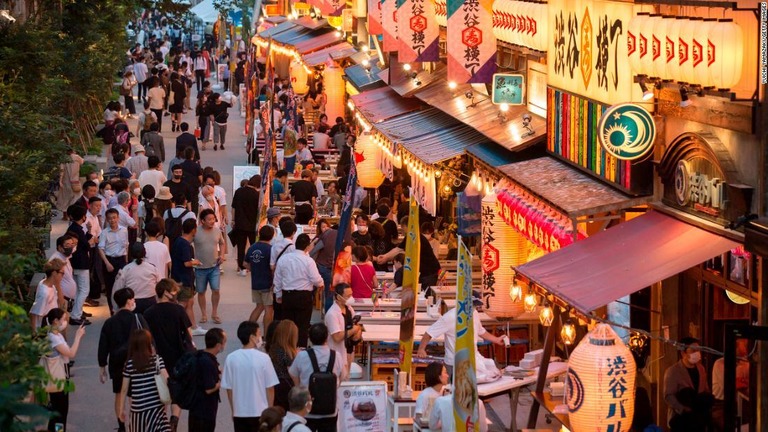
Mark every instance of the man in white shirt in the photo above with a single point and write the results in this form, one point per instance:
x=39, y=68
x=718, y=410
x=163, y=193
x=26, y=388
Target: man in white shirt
x=140, y=70
x=296, y=276
x=125, y=219
x=318, y=183
x=157, y=252
x=113, y=249
x=302, y=152
x=284, y=245
x=139, y=162
x=154, y=176
x=301, y=369
x=249, y=379
x=65, y=245
x=156, y=97
x=299, y=404
x=92, y=217
x=446, y=326
x=338, y=318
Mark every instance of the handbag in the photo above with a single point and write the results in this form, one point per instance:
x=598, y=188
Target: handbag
x=76, y=186
x=161, y=384
x=56, y=370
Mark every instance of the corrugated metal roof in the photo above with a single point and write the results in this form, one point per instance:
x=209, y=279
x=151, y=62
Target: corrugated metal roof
x=320, y=41
x=295, y=33
x=280, y=28
x=381, y=104
x=414, y=125
x=310, y=22
x=364, y=80
x=404, y=83
x=491, y=154
x=321, y=56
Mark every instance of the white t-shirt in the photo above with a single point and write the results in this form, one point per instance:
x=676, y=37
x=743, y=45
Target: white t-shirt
x=140, y=70
x=426, y=401
x=156, y=97
x=68, y=284
x=45, y=300
x=154, y=178
x=441, y=418
x=220, y=195
x=320, y=141
x=446, y=326
x=57, y=339
x=302, y=367
x=158, y=254
x=248, y=373
x=334, y=320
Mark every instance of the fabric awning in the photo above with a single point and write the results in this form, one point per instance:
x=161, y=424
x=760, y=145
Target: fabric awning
x=491, y=154
x=205, y=11
x=507, y=131
x=622, y=260
x=382, y=104
x=280, y=28
x=321, y=56
x=318, y=42
x=364, y=80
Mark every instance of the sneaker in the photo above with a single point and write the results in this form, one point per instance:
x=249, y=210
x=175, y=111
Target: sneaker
x=199, y=331
x=87, y=315
x=215, y=147
x=92, y=303
x=242, y=272
x=78, y=322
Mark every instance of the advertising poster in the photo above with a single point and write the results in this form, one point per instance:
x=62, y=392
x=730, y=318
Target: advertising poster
x=465, y=407
x=410, y=287
x=362, y=406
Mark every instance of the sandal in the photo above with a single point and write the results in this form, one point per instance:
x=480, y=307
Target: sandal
x=216, y=319
x=203, y=320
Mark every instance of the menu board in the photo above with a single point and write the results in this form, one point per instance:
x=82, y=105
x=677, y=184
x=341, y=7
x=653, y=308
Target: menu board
x=362, y=406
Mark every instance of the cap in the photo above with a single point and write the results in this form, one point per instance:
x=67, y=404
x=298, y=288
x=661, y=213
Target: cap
x=272, y=212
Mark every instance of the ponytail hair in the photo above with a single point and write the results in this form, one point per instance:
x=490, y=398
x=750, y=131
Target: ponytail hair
x=271, y=418
x=138, y=252
x=53, y=315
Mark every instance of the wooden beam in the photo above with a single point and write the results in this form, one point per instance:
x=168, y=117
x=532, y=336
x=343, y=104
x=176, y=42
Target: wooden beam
x=549, y=348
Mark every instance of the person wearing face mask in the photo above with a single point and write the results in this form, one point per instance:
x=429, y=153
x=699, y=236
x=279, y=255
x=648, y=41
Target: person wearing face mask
x=58, y=403
x=338, y=319
x=249, y=379
x=687, y=373
x=171, y=329
x=105, y=193
x=113, y=343
x=81, y=261
x=361, y=237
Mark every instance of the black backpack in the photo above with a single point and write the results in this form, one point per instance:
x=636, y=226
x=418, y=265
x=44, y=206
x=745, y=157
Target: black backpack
x=184, y=383
x=173, y=225
x=322, y=385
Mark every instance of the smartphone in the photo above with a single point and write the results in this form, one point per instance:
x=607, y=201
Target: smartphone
x=356, y=319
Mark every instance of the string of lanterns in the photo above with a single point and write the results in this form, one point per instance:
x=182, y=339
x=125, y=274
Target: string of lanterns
x=521, y=23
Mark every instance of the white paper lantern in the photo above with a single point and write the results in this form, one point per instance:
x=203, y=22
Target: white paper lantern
x=726, y=53
x=527, y=32
x=542, y=20
x=658, y=39
x=600, y=383
x=497, y=20
x=368, y=173
x=685, y=48
x=671, y=50
x=637, y=43
x=299, y=78
x=699, y=52
x=333, y=83
x=517, y=22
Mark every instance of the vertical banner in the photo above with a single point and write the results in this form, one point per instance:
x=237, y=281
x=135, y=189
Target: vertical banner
x=389, y=25
x=270, y=145
x=471, y=43
x=374, y=17
x=346, y=208
x=465, y=405
x=336, y=7
x=418, y=31
x=410, y=287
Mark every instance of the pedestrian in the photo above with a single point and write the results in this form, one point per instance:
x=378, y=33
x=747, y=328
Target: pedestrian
x=282, y=351
x=218, y=110
x=140, y=70
x=202, y=413
x=299, y=404
x=249, y=379
x=128, y=215
x=361, y=236
x=687, y=373
x=139, y=162
x=80, y=260
x=304, y=198
x=203, y=113
x=148, y=413
x=170, y=327
x=324, y=247
x=271, y=420
x=46, y=294
x=58, y=402
x=141, y=276
x=296, y=276
x=176, y=103
x=113, y=249
x=211, y=252
x=257, y=261
x=342, y=331
x=180, y=189
x=320, y=358
x=245, y=210
x=192, y=176
x=363, y=274
x=186, y=139
x=154, y=176
x=157, y=252
x=126, y=91
x=113, y=343
x=201, y=66
x=156, y=97
x=146, y=209
x=183, y=262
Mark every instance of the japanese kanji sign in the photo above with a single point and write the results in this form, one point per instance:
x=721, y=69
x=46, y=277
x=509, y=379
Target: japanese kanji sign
x=508, y=89
x=389, y=25
x=418, y=31
x=471, y=43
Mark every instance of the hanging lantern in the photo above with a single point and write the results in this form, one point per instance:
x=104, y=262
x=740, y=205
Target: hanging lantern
x=685, y=45
x=299, y=78
x=568, y=332
x=725, y=54
x=516, y=292
x=655, y=26
x=671, y=50
x=542, y=20
x=531, y=302
x=637, y=43
x=502, y=248
x=333, y=82
x=368, y=173
x=600, y=383
x=699, y=53
x=546, y=315
x=660, y=28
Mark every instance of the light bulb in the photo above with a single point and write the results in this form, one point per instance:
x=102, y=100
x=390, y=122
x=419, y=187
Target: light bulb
x=504, y=107
x=530, y=302
x=546, y=315
x=407, y=67
x=452, y=85
x=516, y=292
x=338, y=34
x=365, y=48
x=366, y=63
x=568, y=332
x=438, y=173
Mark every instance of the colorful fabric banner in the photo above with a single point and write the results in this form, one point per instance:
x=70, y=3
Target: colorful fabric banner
x=389, y=25
x=346, y=209
x=465, y=405
x=270, y=147
x=410, y=287
x=374, y=17
x=336, y=7
x=471, y=43
x=418, y=31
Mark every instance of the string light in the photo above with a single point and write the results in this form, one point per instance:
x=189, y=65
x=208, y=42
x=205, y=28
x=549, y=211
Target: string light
x=407, y=67
x=530, y=302
x=546, y=315
x=516, y=291
x=452, y=85
x=568, y=332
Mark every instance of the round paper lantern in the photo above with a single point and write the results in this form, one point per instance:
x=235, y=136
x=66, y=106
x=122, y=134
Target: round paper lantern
x=726, y=53
x=368, y=173
x=542, y=21
x=299, y=78
x=670, y=52
x=685, y=48
x=600, y=383
x=497, y=20
x=505, y=249
x=333, y=82
x=699, y=53
x=527, y=34
x=637, y=46
x=658, y=36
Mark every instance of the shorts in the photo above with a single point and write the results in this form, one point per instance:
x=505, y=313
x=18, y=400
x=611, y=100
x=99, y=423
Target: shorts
x=263, y=298
x=185, y=294
x=206, y=276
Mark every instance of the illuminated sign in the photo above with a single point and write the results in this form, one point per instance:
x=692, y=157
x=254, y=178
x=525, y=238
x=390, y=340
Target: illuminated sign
x=508, y=89
x=626, y=131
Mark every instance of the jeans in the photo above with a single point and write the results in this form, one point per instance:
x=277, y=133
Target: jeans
x=205, y=276
x=297, y=307
x=327, y=275
x=219, y=133
x=289, y=163
x=199, y=78
x=83, y=280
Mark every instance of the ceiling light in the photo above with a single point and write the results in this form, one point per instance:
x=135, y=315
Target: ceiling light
x=407, y=67
x=452, y=85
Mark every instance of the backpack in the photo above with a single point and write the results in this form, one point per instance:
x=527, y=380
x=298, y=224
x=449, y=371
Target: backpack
x=184, y=383
x=112, y=172
x=149, y=118
x=322, y=385
x=173, y=225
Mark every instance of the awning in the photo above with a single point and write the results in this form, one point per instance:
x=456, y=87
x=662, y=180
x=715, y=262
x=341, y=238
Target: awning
x=622, y=260
x=206, y=11
x=569, y=190
x=382, y=104
x=364, y=80
x=480, y=113
x=310, y=22
x=405, y=84
x=280, y=28
x=321, y=56
x=296, y=33
x=491, y=154
x=322, y=40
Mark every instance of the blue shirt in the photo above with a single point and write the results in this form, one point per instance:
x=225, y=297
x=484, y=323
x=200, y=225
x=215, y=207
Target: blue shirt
x=181, y=252
x=258, y=257
x=277, y=189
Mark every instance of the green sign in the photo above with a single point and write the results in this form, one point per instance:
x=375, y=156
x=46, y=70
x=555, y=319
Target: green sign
x=627, y=131
x=508, y=89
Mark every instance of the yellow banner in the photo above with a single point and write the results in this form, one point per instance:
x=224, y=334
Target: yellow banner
x=465, y=406
x=410, y=287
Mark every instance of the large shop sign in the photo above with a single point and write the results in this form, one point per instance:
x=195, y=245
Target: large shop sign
x=587, y=49
x=700, y=178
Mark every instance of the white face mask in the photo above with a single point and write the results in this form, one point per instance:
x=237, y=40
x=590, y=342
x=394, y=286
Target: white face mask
x=109, y=193
x=362, y=230
x=694, y=357
x=63, y=325
x=137, y=191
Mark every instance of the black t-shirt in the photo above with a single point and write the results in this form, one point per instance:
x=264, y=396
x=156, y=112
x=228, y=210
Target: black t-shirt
x=362, y=239
x=390, y=228
x=207, y=405
x=180, y=188
x=303, y=191
x=428, y=263
x=168, y=323
x=245, y=202
x=192, y=173
x=181, y=252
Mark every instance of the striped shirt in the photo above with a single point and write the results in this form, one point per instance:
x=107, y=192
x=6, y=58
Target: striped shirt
x=143, y=390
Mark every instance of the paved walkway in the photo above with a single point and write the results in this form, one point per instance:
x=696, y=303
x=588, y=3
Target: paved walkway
x=91, y=405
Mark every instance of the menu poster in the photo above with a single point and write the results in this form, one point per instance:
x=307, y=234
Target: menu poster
x=362, y=406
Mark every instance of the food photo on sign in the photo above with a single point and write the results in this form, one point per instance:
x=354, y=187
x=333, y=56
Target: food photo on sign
x=363, y=406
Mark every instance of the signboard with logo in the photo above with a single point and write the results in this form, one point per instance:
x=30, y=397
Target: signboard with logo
x=508, y=89
x=362, y=406
x=626, y=131
x=700, y=178
x=587, y=50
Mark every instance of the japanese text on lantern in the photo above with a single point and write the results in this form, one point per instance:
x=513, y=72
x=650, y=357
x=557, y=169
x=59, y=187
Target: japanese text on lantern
x=617, y=387
x=418, y=24
x=489, y=258
x=471, y=36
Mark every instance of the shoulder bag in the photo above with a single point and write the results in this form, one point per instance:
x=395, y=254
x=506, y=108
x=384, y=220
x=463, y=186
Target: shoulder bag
x=161, y=384
x=57, y=373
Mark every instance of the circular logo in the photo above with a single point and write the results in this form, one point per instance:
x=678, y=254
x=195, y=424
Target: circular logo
x=575, y=391
x=626, y=131
x=682, y=180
